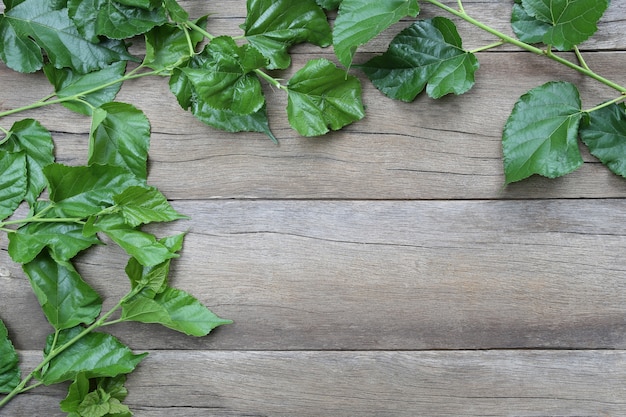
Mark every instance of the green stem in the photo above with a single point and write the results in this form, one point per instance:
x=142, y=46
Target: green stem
x=22, y=386
x=198, y=29
x=36, y=219
x=523, y=45
x=486, y=47
x=581, y=60
x=606, y=104
x=273, y=81
x=46, y=101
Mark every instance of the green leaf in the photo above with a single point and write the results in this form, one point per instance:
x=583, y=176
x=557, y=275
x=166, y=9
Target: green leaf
x=34, y=25
x=605, y=136
x=76, y=393
x=30, y=137
x=79, y=395
x=225, y=120
x=226, y=81
x=13, y=182
x=120, y=136
x=141, y=205
x=65, y=240
x=69, y=83
x=571, y=22
x=86, y=190
x=113, y=19
x=9, y=362
x=322, y=96
x=527, y=28
x=541, y=135
x=175, y=11
x=141, y=245
x=175, y=309
x=359, y=21
x=94, y=354
x=428, y=53
x=167, y=45
x=273, y=26
x=66, y=300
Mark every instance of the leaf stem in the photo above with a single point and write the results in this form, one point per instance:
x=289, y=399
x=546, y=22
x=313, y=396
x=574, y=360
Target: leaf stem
x=606, y=104
x=581, y=60
x=523, y=45
x=273, y=81
x=198, y=29
x=486, y=47
x=36, y=219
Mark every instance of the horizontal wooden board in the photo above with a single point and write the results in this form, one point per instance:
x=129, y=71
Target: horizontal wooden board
x=444, y=149
x=376, y=384
x=379, y=275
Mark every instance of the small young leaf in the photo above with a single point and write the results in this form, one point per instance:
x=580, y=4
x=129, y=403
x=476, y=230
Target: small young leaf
x=66, y=300
x=541, y=135
x=175, y=309
x=94, y=354
x=76, y=393
x=225, y=82
x=84, y=191
x=69, y=83
x=120, y=136
x=527, y=28
x=113, y=388
x=320, y=95
x=33, y=25
x=113, y=19
x=175, y=11
x=428, y=52
x=605, y=136
x=13, y=182
x=141, y=205
x=272, y=26
x=30, y=137
x=65, y=240
x=167, y=45
x=570, y=22
x=359, y=21
x=9, y=362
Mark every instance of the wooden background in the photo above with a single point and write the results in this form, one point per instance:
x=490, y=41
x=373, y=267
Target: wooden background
x=382, y=270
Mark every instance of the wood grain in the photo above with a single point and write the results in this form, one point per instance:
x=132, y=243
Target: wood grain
x=382, y=275
x=368, y=384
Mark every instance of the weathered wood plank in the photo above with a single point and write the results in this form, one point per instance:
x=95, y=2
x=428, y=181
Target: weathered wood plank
x=398, y=384
x=380, y=275
x=445, y=149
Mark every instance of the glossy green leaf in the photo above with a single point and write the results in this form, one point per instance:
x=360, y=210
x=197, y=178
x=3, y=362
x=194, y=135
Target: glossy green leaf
x=225, y=120
x=140, y=205
x=175, y=11
x=34, y=25
x=359, y=21
x=226, y=81
x=9, y=362
x=35, y=141
x=120, y=136
x=65, y=240
x=66, y=300
x=69, y=83
x=144, y=4
x=273, y=26
x=113, y=19
x=527, y=28
x=94, y=354
x=428, y=54
x=140, y=245
x=175, y=309
x=167, y=45
x=86, y=190
x=605, y=136
x=322, y=96
x=76, y=393
x=541, y=135
x=96, y=397
x=570, y=22
x=13, y=182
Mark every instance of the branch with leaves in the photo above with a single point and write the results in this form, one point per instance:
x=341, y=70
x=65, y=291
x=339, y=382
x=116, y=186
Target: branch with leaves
x=82, y=48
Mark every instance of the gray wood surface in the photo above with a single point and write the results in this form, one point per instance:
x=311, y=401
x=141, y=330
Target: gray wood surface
x=382, y=270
